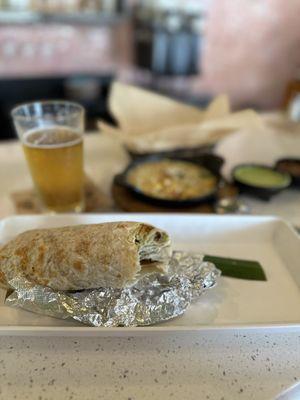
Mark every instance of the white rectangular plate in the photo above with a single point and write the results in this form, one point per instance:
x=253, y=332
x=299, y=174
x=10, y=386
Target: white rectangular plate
x=233, y=304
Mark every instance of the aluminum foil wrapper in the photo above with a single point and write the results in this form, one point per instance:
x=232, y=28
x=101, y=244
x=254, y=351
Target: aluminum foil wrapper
x=151, y=299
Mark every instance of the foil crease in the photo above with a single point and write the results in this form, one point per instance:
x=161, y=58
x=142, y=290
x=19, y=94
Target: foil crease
x=153, y=298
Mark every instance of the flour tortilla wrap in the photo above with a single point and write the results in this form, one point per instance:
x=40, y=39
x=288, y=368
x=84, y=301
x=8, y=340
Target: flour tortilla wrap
x=85, y=256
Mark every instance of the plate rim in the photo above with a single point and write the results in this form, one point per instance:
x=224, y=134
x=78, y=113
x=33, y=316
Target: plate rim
x=24, y=330
x=40, y=330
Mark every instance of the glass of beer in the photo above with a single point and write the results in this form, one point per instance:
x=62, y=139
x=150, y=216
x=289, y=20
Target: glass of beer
x=51, y=133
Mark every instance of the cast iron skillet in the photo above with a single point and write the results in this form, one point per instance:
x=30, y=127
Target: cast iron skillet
x=209, y=161
x=187, y=153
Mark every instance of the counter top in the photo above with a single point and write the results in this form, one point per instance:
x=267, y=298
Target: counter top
x=233, y=366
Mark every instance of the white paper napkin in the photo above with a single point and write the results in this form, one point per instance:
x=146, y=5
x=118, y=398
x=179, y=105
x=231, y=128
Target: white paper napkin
x=277, y=138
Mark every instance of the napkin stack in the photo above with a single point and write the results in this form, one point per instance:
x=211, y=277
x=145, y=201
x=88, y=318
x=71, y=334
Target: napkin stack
x=148, y=122
x=277, y=137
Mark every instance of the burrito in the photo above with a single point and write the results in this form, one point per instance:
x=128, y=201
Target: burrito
x=85, y=256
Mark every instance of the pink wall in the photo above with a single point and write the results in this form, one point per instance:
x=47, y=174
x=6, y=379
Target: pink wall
x=252, y=49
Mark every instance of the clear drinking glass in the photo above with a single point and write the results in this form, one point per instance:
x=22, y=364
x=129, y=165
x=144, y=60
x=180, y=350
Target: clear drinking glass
x=51, y=133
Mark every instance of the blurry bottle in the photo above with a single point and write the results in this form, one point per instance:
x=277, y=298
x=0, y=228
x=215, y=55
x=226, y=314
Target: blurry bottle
x=160, y=44
x=195, y=29
x=143, y=36
x=108, y=6
x=120, y=6
x=179, y=51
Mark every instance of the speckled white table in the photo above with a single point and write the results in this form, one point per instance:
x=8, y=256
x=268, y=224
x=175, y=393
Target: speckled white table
x=231, y=366
x=228, y=366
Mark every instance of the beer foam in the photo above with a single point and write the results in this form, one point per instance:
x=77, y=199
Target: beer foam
x=51, y=137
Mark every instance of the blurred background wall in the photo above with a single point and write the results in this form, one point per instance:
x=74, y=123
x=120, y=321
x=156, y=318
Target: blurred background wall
x=188, y=49
x=253, y=49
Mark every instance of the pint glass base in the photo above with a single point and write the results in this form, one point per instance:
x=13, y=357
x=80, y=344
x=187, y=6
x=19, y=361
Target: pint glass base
x=77, y=207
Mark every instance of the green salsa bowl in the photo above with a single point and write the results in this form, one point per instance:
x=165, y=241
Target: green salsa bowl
x=260, y=180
